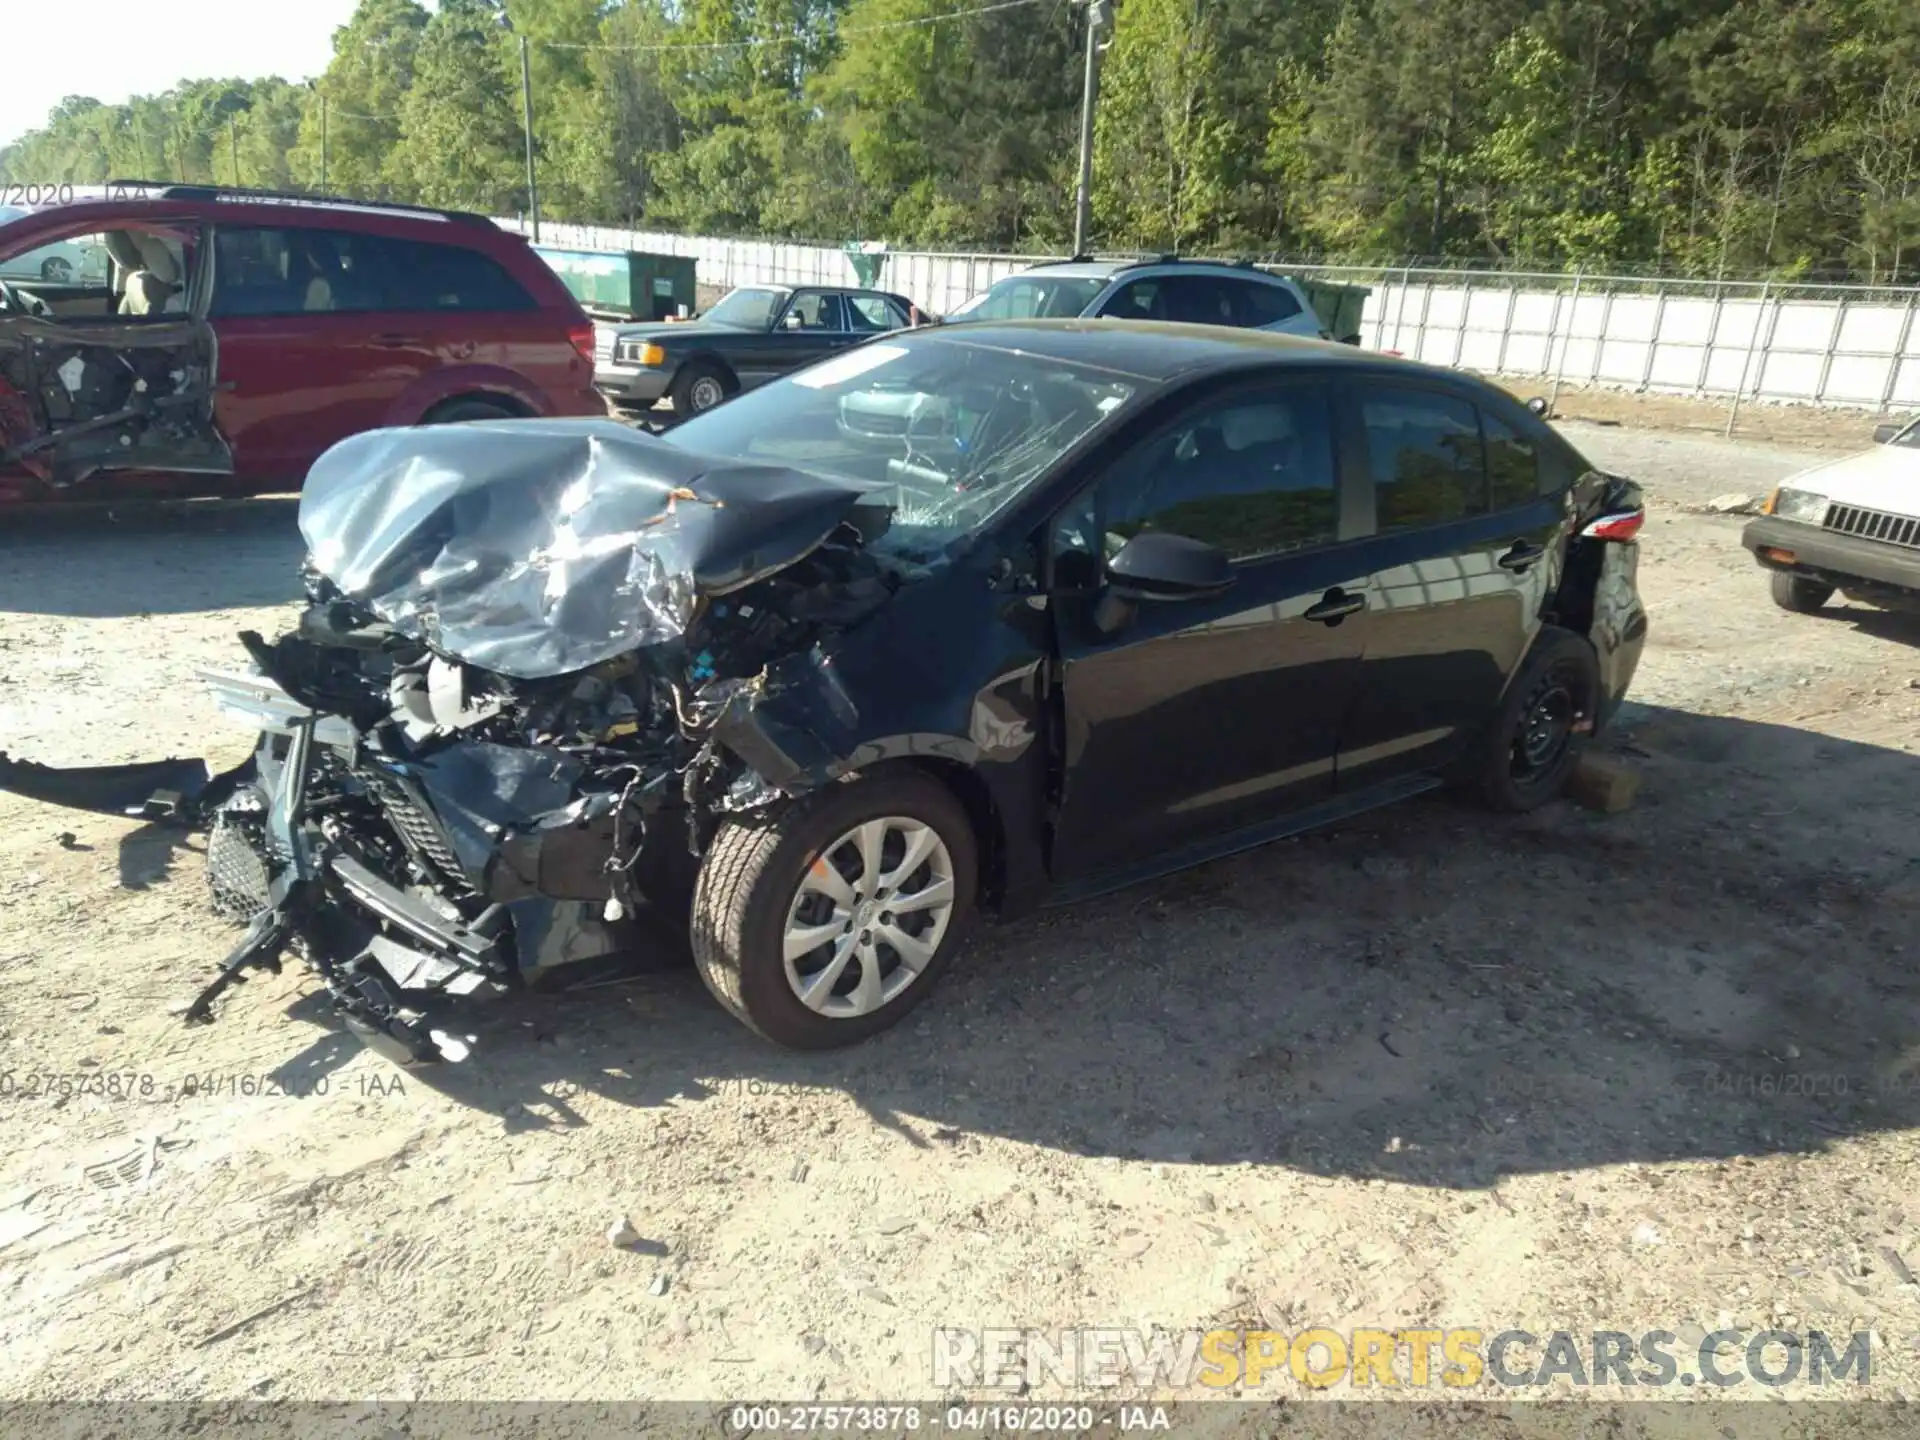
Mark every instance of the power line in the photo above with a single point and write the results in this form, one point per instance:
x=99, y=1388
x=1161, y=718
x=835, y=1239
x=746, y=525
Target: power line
x=795, y=39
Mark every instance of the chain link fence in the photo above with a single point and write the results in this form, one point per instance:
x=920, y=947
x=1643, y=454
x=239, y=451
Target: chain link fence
x=1737, y=341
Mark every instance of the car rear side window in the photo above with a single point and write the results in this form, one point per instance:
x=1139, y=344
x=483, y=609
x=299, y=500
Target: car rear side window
x=1513, y=464
x=1252, y=475
x=1202, y=300
x=871, y=313
x=1424, y=454
x=816, y=312
x=1140, y=300
x=1264, y=304
x=270, y=270
x=424, y=276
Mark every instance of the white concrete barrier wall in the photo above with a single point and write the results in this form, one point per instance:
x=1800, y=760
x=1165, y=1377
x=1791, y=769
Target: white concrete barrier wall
x=1832, y=345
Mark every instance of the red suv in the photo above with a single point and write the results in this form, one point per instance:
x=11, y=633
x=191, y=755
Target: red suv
x=225, y=338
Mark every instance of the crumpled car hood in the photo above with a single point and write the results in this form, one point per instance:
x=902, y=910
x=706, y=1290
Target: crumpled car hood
x=535, y=548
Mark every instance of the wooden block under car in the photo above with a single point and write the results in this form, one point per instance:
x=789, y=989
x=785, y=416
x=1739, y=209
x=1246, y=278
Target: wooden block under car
x=1606, y=783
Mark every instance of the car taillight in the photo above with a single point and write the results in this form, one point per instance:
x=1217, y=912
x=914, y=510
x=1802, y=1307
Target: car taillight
x=581, y=338
x=1623, y=526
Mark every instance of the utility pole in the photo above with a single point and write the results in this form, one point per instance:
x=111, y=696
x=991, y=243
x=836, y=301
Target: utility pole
x=1099, y=19
x=323, y=144
x=233, y=147
x=526, y=109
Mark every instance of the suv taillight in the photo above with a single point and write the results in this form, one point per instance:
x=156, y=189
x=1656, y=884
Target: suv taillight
x=581, y=338
x=1623, y=525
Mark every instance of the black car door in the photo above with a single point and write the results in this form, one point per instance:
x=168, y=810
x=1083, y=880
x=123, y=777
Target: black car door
x=813, y=327
x=1201, y=717
x=1462, y=558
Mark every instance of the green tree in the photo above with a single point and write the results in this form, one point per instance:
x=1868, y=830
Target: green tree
x=365, y=86
x=1162, y=140
x=460, y=136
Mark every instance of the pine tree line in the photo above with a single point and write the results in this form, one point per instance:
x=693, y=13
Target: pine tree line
x=1695, y=137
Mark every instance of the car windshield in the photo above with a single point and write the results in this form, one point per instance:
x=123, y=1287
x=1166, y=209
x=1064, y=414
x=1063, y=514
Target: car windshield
x=748, y=309
x=949, y=433
x=1025, y=297
x=1908, y=438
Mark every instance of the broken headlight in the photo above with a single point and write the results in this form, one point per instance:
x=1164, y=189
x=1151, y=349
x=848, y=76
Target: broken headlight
x=1807, y=506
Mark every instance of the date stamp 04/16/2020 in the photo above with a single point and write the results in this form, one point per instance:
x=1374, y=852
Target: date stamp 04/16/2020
x=105, y=1083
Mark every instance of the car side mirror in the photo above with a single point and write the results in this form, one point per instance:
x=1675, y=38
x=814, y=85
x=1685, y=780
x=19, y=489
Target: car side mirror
x=1883, y=434
x=1157, y=567
x=793, y=321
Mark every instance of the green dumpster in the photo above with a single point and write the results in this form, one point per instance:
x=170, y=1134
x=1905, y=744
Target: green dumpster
x=867, y=257
x=1338, y=306
x=625, y=284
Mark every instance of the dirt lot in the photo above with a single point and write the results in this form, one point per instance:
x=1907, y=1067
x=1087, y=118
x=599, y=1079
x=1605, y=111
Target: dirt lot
x=1425, y=1068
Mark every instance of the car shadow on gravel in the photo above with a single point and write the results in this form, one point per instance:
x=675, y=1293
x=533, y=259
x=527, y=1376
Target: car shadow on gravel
x=99, y=561
x=1428, y=995
x=1900, y=625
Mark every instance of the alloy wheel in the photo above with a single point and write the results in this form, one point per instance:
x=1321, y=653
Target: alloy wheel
x=868, y=917
x=706, y=393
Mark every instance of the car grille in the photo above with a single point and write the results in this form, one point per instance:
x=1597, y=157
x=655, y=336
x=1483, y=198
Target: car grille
x=602, y=345
x=419, y=830
x=1874, y=525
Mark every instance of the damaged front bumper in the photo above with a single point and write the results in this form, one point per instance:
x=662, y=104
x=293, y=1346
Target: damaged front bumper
x=399, y=959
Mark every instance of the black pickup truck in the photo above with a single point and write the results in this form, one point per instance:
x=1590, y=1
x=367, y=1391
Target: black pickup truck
x=754, y=335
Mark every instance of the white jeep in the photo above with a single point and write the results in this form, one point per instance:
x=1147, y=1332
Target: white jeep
x=1850, y=525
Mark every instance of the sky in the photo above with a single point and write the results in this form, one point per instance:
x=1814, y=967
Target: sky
x=138, y=48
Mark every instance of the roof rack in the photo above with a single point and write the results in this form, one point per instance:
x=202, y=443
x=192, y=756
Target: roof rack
x=174, y=190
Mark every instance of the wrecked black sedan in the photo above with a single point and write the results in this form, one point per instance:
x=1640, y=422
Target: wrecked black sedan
x=1096, y=602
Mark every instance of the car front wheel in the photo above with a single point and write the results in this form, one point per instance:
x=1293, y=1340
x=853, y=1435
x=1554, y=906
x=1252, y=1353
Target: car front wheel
x=825, y=922
x=697, y=389
x=1799, y=594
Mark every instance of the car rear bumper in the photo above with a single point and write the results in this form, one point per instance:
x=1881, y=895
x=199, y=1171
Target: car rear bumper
x=1808, y=549
x=631, y=384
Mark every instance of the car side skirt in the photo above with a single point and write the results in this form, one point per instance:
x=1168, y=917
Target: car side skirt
x=1312, y=817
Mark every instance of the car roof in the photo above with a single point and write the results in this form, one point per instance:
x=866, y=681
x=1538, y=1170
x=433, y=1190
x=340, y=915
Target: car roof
x=1109, y=269
x=1157, y=351
x=200, y=203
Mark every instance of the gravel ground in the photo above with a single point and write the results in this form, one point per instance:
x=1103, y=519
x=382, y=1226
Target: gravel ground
x=1424, y=1068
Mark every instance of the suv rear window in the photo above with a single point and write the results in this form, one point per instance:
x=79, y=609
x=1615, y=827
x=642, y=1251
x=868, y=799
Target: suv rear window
x=273, y=270
x=1264, y=304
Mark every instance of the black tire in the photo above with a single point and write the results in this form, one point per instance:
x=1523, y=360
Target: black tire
x=1799, y=594
x=455, y=411
x=1535, y=741
x=698, y=388
x=752, y=874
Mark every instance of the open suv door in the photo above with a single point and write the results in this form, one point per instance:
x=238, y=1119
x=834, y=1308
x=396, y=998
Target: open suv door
x=85, y=389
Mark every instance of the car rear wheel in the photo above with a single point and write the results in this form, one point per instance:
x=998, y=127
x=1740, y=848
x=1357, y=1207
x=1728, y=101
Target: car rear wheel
x=826, y=922
x=1536, y=739
x=455, y=411
x=698, y=388
x=1799, y=594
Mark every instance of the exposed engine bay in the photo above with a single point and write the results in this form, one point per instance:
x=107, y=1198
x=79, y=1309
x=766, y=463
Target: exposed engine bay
x=421, y=827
